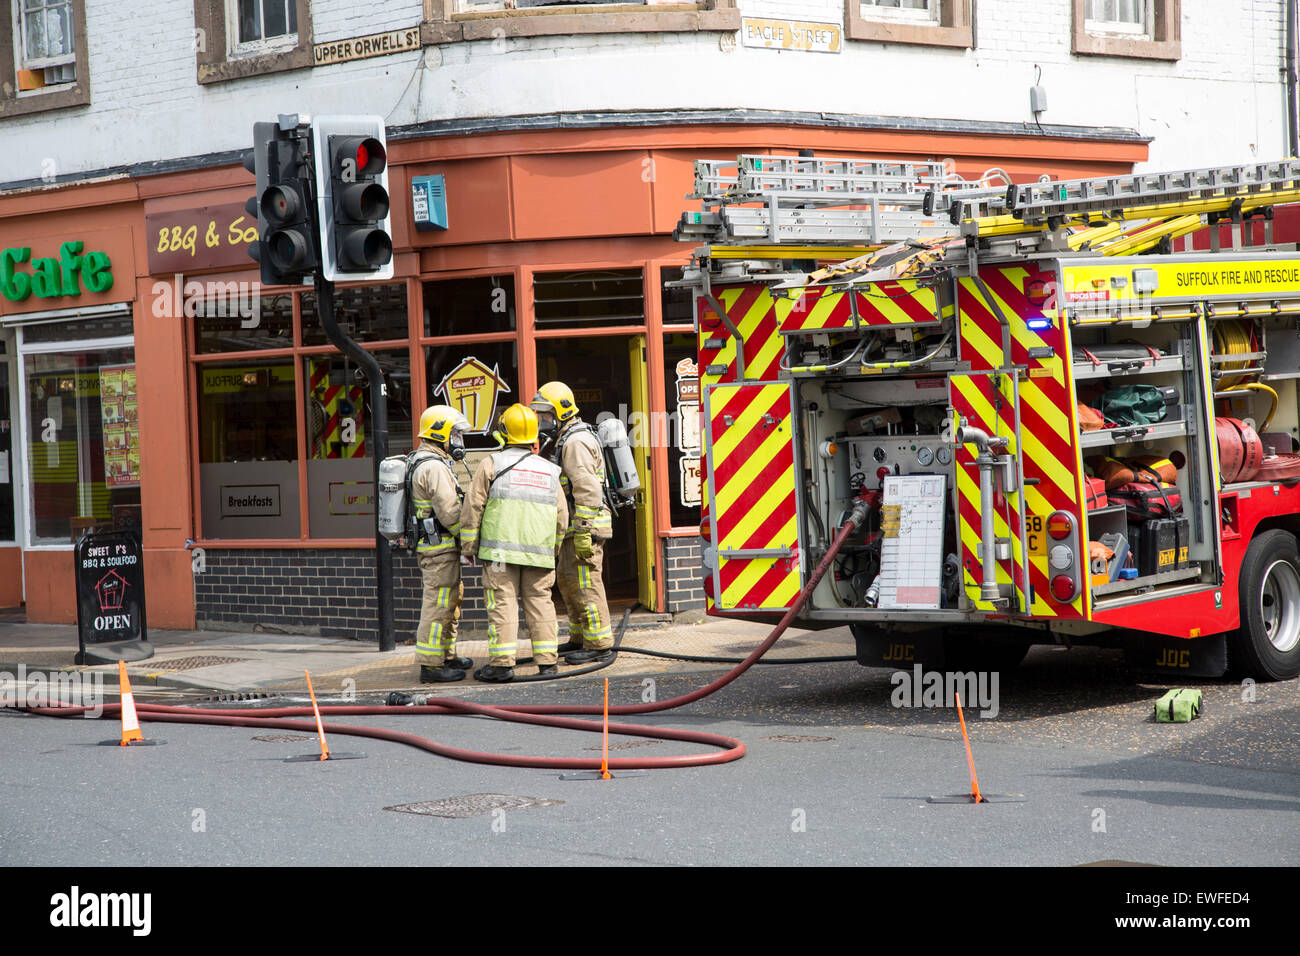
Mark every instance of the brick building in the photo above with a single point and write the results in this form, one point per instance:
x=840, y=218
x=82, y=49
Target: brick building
x=163, y=388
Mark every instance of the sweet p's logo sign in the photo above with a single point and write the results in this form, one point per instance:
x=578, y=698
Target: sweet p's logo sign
x=473, y=388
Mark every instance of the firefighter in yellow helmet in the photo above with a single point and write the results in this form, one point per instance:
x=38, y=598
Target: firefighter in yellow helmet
x=512, y=521
x=582, y=473
x=436, y=497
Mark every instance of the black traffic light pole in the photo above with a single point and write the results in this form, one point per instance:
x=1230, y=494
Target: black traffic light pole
x=377, y=429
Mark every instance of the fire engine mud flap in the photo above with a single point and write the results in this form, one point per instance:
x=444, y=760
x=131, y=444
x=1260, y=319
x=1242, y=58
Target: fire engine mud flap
x=1176, y=657
x=752, y=500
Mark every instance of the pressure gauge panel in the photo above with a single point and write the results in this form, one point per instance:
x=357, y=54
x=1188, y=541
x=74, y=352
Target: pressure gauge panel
x=924, y=456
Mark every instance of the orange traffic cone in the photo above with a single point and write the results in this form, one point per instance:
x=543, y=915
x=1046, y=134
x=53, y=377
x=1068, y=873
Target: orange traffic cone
x=130, y=721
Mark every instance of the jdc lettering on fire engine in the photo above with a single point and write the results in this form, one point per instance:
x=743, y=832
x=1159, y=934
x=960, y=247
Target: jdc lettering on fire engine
x=110, y=598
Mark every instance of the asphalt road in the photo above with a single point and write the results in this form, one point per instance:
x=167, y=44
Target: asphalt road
x=835, y=775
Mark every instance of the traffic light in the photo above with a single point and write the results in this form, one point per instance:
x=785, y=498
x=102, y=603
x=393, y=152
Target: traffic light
x=286, y=222
x=352, y=186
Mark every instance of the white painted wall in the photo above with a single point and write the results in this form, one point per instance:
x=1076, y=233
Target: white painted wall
x=1221, y=103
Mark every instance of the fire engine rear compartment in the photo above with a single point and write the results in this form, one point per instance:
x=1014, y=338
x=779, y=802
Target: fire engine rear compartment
x=856, y=430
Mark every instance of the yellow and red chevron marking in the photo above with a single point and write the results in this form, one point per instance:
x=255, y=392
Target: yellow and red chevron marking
x=987, y=402
x=751, y=311
x=893, y=302
x=754, y=494
x=330, y=443
x=1046, y=412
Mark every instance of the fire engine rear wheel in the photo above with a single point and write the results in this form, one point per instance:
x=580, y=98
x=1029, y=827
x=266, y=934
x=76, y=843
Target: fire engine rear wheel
x=1267, y=645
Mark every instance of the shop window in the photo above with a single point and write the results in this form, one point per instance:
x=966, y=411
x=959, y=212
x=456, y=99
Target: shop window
x=248, y=449
x=365, y=314
x=469, y=306
x=924, y=22
x=676, y=303
x=480, y=379
x=222, y=325
x=83, y=441
x=682, y=399
x=448, y=21
x=341, y=462
x=106, y=327
x=8, y=479
x=609, y=297
x=1146, y=29
x=240, y=38
x=44, y=65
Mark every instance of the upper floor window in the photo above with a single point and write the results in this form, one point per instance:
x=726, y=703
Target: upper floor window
x=262, y=26
x=238, y=38
x=448, y=21
x=924, y=22
x=907, y=11
x=1129, y=17
x=47, y=45
x=1148, y=29
x=43, y=61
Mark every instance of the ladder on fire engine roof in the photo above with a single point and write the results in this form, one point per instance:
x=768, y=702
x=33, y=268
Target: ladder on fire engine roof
x=761, y=200
x=789, y=199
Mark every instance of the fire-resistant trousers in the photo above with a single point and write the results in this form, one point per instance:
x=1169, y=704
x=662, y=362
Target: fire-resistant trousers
x=435, y=638
x=506, y=588
x=583, y=590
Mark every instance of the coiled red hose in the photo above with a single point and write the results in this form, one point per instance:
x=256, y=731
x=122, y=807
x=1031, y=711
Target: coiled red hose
x=540, y=715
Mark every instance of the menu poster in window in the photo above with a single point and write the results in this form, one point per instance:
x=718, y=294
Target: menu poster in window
x=117, y=407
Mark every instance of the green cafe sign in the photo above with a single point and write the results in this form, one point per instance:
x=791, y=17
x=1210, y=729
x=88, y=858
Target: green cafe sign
x=52, y=278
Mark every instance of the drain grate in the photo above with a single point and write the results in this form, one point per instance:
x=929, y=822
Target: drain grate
x=628, y=744
x=282, y=738
x=473, y=805
x=191, y=663
x=798, y=739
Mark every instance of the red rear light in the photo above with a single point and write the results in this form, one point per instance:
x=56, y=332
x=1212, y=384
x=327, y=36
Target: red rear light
x=706, y=528
x=1059, y=525
x=711, y=319
x=708, y=586
x=1063, y=588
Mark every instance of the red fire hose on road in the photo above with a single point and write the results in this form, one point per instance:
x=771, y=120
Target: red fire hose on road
x=541, y=715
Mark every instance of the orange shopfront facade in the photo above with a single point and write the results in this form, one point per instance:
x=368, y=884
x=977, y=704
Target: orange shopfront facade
x=215, y=416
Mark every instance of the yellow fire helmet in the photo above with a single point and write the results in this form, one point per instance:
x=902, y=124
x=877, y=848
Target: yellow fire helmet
x=558, y=398
x=438, y=422
x=519, y=423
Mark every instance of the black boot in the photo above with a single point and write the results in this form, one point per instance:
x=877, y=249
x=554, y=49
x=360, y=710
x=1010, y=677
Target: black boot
x=440, y=675
x=589, y=657
x=547, y=670
x=460, y=663
x=493, y=674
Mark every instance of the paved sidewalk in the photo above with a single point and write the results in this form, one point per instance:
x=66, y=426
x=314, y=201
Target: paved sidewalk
x=230, y=663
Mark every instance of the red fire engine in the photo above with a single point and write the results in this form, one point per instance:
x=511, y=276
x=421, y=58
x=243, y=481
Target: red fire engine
x=1063, y=422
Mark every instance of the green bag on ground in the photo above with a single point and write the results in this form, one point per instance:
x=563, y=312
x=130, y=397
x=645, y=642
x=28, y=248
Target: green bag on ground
x=1178, y=706
x=1133, y=405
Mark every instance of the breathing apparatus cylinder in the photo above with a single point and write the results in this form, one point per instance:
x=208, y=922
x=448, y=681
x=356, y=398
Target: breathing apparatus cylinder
x=392, y=497
x=620, y=466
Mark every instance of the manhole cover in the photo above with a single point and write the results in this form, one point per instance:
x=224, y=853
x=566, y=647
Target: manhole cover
x=190, y=663
x=473, y=804
x=798, y=739
x=282, y=738
x=628, y=744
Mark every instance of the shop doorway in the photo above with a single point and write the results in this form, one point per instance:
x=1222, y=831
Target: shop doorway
x=607, y=375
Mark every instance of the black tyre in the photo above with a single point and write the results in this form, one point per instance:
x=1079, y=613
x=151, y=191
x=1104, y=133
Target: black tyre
x=1267, y=645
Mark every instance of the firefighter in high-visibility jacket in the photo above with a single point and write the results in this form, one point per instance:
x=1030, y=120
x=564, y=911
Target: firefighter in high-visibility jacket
x=436, y=496
x=582, y=473
x=512, y=521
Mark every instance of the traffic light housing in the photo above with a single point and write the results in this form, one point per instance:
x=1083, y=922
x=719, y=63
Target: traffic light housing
x=287, y=248
x=352, y=190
